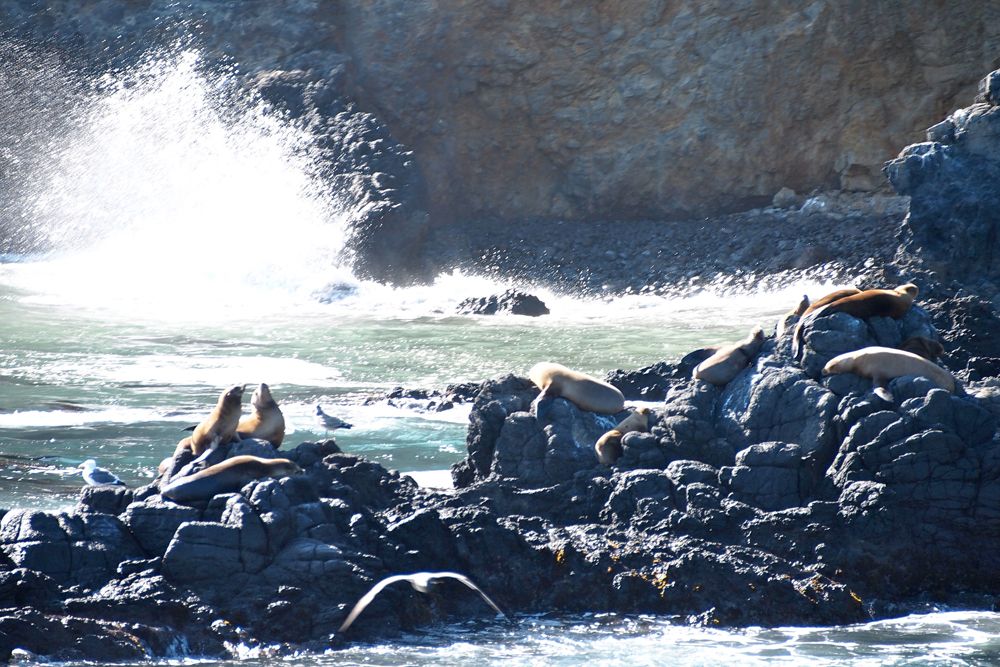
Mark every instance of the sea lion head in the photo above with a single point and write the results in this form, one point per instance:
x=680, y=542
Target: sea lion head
x=925, y=347
x=839, y=364
x=284, y=468
x=609, y=447
x=803, y=304
x=908, y=290
x=261, y=397
x=232, y=395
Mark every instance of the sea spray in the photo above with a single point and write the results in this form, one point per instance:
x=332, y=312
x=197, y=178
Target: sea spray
x=168, y=187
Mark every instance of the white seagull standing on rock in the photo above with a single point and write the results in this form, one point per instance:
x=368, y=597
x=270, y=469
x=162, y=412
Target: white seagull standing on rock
x=95, y=476
x=329, y=422
x=420, y=581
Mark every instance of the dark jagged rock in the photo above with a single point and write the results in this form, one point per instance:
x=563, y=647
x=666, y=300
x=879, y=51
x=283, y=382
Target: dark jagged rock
x=428, y=400
x=650, y=383
x=954, y=216
x=512, y=301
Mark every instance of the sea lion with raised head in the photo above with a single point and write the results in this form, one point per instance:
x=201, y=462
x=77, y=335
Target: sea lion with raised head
x=227, y=477
x=266, y=422
x=220, y=426
x=792, y=316
x=609, y=446
x=882, y=364
x=720, y=368
x=586, y=392
x=893, y=303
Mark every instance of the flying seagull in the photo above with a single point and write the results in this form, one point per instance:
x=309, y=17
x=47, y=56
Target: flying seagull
x=329, y=422
x=95, y=476
x=421, y=582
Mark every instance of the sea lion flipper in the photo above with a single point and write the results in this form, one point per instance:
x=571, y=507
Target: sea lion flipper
x=881, y=390
x=190, y=428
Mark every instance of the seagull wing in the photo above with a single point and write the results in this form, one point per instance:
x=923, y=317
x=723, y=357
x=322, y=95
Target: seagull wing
x=100, y=476
x=468, y=582
x=368, y=597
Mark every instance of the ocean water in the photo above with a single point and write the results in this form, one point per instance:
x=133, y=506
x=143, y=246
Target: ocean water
x=190, y=247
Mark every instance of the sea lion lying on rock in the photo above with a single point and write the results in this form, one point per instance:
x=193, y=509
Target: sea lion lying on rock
x=883, y=364
x=836, y=295
x=588, y=393
x=727, y=362
x=227, y=477
x=609, y=445
x=870, y=303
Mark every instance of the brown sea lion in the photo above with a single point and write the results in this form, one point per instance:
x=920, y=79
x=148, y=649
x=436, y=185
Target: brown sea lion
x=720, y=368
x=227, y=477
x=588, y=393
x=925, y=347
x=883, y=364
x=830, y=298
x=266, y=422
x=609, y=445
x=870, y=303
x=791, y=316
x=873, y=303
x=220, y=426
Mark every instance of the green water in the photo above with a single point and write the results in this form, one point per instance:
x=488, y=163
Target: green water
x=118, y=385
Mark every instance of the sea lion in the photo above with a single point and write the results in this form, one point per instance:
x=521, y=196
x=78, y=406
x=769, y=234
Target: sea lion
x=227, y=477
x=588, y=393
x=220, y=426
x=266, y=422
x=925, y=347
x=720, y=368
x=609, y=445
x=873, y=303
x=870, y=303
x=883, y=364
x=836, y=295
x=791, y=316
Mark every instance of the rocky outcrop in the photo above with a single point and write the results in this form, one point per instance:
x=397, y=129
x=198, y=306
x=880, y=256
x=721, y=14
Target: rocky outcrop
x=783, y=497
x=954, y=220
x=514, y=302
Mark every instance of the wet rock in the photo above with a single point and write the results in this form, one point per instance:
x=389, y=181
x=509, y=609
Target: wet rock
x=69, y=548
x=513, y=302
x=953, y=219
x=650, y=383
x=778, y=403
x=768, y=475
x=104, y=499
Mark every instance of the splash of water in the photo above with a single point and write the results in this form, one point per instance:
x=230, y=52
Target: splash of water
x=170, y=189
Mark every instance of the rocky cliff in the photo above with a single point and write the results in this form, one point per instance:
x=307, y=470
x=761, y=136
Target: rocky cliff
x=521, y=108
x=438, y=113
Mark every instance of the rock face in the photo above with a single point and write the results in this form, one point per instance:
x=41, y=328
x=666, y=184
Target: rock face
x=954, y=219
x=435, y=114
x=652, y=110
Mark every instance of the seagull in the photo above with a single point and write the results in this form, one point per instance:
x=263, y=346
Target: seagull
x=329, y=422
x=95, y=476
x=421, y=582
